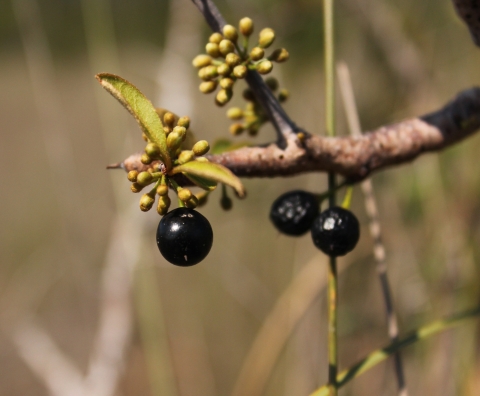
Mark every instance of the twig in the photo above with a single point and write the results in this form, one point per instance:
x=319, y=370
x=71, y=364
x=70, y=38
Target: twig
x=372, y=212
x=356, y=157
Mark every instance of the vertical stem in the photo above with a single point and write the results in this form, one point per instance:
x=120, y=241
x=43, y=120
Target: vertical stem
x=330, y=129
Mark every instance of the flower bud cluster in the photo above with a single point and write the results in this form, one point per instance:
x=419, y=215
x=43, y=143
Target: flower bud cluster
x=252, y=117
x=227, y=60
x=176, y=132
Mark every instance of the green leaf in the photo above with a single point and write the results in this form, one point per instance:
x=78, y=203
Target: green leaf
x=141, y=108
x=213, y=172
x=206, y=184
x=223, y=145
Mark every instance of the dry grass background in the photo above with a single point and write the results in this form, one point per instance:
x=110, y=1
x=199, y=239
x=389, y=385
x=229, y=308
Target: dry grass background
x=72, y=247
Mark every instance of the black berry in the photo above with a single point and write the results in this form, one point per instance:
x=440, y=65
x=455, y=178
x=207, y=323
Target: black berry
x=293, y=212
x=184, y=237
x=335, y=231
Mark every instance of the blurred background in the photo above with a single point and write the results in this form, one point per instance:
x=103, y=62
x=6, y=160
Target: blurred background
x=87, y=304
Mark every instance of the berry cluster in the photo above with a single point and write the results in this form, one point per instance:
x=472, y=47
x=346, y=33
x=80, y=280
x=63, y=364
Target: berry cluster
x=334, y=231
x=176, y=132
x=226, y=60
x=253, y=116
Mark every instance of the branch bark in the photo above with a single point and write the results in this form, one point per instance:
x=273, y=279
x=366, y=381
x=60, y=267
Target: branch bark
x=469, y=11
x=354, y=157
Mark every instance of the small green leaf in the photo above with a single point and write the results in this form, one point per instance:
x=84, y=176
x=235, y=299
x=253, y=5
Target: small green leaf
x=223, y=145
x=206, y=184
x=213, y=172
x=140, y=107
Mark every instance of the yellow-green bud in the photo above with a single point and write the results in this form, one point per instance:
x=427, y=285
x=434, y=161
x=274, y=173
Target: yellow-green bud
x=146, y=202
x=208, y=72
x=235, y=113
x=215, y=38
x=182, y=131
x=225, y=47
x=283, y=95
x=226, y=202
x=169, y=119
x=272, y=83
x=223, y=97
x=202, y=197
x=184, y=122
x=257, y=53
x=144, y=178
x=279, y=55
x=167, y=129
x=236, y=129
x=246, y=26
x=132, y=176
x=265, y=67
x=248, y=95
x=162, y=189
x=152, y=150
x=163, y=205
x=201, y=159
x=266, y=37
x=136, y=188
x=224, y=69
x=200, y=148
x=212, y=50
x=184, y=194
x=230, y=32
x=185, y=156
x=173, y=141
x=192, y=203
x=145, y=159
x=240, y=71
x=227, y=83
x=202, y=61
x=207, y=86
x=232, y=59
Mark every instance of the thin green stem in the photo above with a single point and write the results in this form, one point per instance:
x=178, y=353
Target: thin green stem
x=330, y=129
x=380, y=355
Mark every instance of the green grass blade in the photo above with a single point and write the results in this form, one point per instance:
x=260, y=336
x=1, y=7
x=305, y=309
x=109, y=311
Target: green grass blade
x=141, y=108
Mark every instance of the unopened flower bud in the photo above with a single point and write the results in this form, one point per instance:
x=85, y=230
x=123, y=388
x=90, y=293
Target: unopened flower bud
x=212, y=50
x=201, y=159
x=184, y=194
x=192, y=203
x=265, y=67
x=232, y=59
x=225, y=47
x=266, y=37
x=215, y=38
x=185, y=156
x=169, y=119
x=246, y=26
x=146, y=202
x=173, y=141
x=184, y=122
x=136, y=188
x=201, y=61
x=132, y=176
x=235, y=113
x=240, y=71
x=283, y=95
x=208, y=72
x=145, y=159
x=182, y=131
x=144, y=178
x=272, y=83
x=163, y=205
x=279, y=55
x=200, y=148
x=248, y=95
x=207, y=86
x=224, y=69
x=152, y=150
x=257, y=53
x=236, y=129
x=230, y=32
x=162, y=189
x=227, y=83
x=223, y=97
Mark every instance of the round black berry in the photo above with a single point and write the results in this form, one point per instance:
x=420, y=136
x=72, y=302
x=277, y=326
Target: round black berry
x=184, y=237
x=335, y=231
x=293, y=212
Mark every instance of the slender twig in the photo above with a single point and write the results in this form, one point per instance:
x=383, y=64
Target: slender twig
x=372, y=212
x=469, y=10
x=380, y=355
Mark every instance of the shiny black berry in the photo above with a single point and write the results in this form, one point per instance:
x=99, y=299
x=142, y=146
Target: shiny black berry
x=293, y=212
x=335, y=231
x=184, y=237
